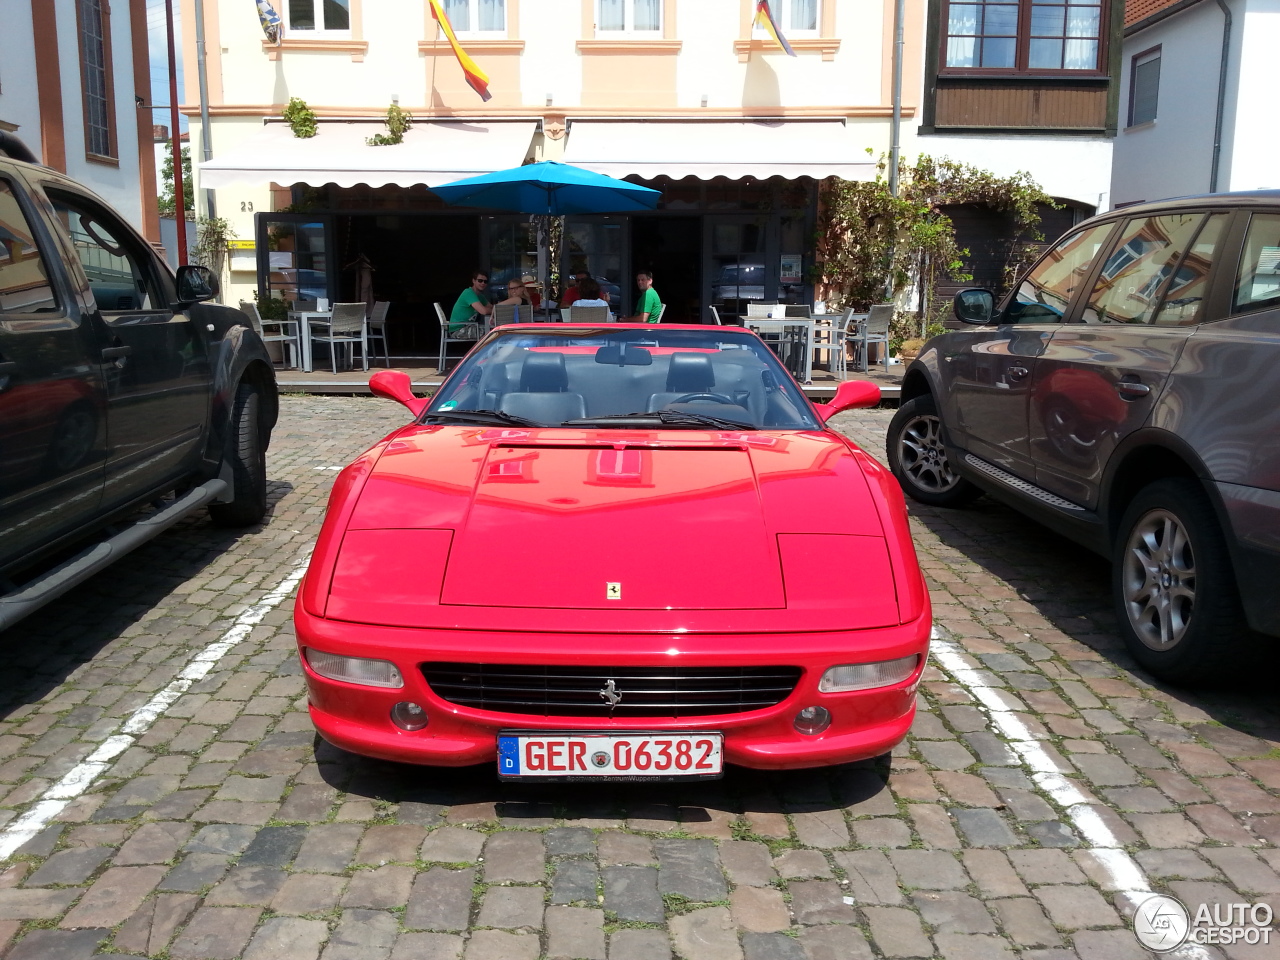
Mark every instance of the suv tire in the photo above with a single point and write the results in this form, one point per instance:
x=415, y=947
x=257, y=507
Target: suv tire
x=1174, y=587
x=918, y=457
x=246, y=454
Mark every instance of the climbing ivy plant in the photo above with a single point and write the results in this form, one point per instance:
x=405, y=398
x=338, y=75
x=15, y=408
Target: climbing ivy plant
x=398, y=123
x=872, y=245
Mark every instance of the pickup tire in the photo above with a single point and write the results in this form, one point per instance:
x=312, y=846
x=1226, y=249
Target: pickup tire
x=918, y=456
x=246, y=455
x=1174, y=588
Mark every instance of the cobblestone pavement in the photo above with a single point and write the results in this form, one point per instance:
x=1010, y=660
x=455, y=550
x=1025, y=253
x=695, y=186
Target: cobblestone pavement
x=224, y=829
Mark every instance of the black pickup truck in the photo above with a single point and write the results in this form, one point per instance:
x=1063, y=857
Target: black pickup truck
x=127, y=400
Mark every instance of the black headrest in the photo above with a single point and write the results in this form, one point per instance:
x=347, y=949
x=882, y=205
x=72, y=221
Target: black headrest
x=689, y=373
x=543, y=373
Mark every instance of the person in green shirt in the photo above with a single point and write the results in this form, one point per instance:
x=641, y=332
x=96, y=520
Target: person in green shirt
x=649, y=308
x=469, y=307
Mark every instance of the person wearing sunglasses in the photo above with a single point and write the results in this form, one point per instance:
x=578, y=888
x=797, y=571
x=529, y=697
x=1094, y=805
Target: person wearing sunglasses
x=463, y=321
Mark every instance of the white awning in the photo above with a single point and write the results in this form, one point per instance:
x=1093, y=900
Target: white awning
x=721, y=148
x=433, y=152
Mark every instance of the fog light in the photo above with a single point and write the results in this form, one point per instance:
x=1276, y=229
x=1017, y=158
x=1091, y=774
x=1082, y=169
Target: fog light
x=371, y=673
x=408, y=716
x=864, y=676
x=813, y=720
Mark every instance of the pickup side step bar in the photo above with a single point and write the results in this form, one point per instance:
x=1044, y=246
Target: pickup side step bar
x=1022, y=486
x=34, y=595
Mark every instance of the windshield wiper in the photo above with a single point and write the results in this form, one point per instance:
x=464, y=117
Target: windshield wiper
x=668, y=418
x=482, y=416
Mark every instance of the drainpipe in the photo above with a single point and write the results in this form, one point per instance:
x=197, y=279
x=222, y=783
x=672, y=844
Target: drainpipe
x=895, y=126
x=1222, y=95
x=206, y=146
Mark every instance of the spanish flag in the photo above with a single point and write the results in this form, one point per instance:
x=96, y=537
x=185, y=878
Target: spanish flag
x=764, y=20
x=477, y=79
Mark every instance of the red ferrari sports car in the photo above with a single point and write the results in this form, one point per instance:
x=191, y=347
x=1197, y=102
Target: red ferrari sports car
x=625, y=551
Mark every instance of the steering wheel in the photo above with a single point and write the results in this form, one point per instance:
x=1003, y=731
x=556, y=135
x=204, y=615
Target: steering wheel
x=712, y=397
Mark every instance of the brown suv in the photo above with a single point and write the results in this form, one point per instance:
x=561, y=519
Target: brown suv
x=1127, y=394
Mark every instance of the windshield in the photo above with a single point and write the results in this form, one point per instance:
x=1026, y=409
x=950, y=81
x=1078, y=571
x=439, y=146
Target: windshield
x=723, y=379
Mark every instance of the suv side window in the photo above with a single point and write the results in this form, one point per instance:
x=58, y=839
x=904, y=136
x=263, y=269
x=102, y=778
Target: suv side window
x=120, y=275
x=1045, y=293
x=1183, y=301
x=1258, y=284
x=24, y=279
x=1144, y=258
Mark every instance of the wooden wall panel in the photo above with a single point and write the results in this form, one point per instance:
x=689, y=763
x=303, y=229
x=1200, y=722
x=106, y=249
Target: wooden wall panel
x=1027, y=106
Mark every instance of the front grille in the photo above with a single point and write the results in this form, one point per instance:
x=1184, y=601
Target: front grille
x=644, y=691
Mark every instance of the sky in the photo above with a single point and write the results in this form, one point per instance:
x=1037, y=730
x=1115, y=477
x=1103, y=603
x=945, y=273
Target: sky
x=159, y=52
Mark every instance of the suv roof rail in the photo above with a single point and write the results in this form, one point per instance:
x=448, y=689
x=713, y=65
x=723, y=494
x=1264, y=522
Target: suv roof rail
x=13, y=148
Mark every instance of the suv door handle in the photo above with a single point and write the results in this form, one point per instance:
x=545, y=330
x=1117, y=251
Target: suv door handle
x=1132, y=389
x=1017, y=373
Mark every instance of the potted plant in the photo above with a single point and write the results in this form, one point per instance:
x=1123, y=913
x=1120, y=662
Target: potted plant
x=910, y=349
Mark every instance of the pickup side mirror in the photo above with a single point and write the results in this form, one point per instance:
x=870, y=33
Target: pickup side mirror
x=850, y=395
x=395, y=385
x=975, y=306
x=196, y=284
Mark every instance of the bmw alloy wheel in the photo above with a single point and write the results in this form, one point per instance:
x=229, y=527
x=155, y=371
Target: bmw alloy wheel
x=1159, y=579
x=923, y=455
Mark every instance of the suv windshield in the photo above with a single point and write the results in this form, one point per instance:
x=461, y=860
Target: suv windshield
x=722, y=379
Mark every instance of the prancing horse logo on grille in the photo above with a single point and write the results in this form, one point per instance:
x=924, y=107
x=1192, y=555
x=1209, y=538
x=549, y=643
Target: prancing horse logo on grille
x=610, y=693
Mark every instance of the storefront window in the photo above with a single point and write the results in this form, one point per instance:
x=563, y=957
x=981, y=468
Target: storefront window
x=297, y=261
x=513, y=252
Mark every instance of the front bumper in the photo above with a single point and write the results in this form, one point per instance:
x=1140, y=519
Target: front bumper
x=865, y=723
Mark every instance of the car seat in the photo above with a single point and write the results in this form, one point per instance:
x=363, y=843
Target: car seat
x=687, y=373
x=544, y=392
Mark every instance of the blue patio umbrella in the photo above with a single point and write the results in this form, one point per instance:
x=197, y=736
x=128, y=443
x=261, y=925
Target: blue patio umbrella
x=550, y=189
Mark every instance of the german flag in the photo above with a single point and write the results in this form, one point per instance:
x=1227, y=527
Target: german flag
x=764, y=20
x=477, y=79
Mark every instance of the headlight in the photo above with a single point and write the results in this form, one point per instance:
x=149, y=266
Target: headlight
x=371, y=673
x=864, y=676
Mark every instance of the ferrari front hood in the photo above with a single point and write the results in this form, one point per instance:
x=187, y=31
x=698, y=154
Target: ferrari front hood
x=605, y=527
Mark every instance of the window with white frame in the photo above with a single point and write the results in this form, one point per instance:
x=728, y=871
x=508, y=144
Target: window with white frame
x=795, y=18
x=318, y=19
x=476, y=16
x=629, y=16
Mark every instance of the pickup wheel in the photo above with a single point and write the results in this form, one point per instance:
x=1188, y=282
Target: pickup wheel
x=246, y=454
x=918, y=457
x=1174, y=587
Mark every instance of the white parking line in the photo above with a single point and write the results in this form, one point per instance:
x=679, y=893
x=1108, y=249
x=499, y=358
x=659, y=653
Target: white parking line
x=1121, y=872
x=55, y=799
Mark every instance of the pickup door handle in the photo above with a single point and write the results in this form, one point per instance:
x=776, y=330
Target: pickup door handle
x=1131, y=389
x=1017, y=373
x=115, y=353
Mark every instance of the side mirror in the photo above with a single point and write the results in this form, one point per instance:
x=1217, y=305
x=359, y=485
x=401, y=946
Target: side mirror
x=850, y=395
x=196, y=284
x=395, y=385
x=975, y=306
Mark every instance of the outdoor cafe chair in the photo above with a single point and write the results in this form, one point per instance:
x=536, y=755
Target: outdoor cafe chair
x=715, y=315
x=445, y=339
x=281, y=331
x=345, y=325
x=303, y=306
x=798, y=310
x=760, y=308
x=586, y=314
x=874, y=329
x=835, y=337
x=377, y=328
x=504, y=313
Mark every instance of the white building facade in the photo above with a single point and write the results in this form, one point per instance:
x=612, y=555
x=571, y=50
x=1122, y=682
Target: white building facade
x=1171, y=89
x=75, y=86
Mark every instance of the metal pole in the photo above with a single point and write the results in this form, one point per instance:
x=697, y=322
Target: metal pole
x=206, y=141
x=895, y=130
x=179, y=201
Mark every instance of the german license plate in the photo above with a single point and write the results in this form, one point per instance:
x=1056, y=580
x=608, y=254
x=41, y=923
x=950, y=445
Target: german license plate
x=632, y=756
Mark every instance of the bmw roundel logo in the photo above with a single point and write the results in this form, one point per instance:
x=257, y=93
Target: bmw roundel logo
x=600, y=758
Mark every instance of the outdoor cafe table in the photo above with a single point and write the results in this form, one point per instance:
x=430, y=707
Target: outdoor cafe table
x=303, y=319
x=766, y=325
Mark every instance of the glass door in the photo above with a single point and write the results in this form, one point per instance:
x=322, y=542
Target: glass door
x=598, y=246
x=741, y=256
x=511, y=249
x=295, y=258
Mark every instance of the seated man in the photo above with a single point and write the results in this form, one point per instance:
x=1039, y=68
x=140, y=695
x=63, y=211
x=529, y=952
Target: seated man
x=649, y=309
x=589, y=295
x=464, y=323
x=574, y=289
